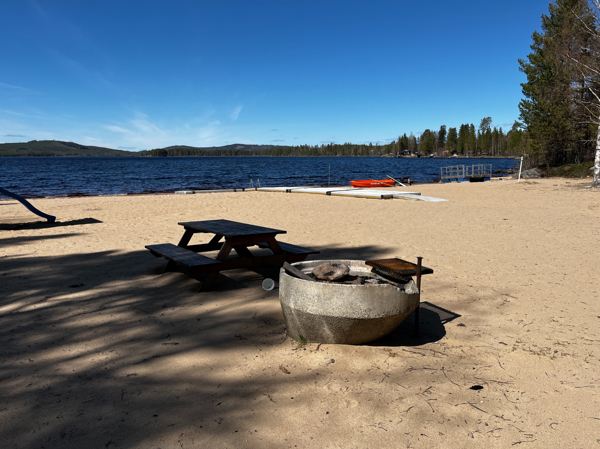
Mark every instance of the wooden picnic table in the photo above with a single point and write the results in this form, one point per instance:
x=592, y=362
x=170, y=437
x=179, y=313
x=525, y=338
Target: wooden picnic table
x=227, y=236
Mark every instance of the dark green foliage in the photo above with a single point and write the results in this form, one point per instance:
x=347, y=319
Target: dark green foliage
x=452, y=141
x=582, y=170
x=427, y=142
x=555, y=90
x=463, y=138
x=403, y=143
x=441, y=140
x=331, y=149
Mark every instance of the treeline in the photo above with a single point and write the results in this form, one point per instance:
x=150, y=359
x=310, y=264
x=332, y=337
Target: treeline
x=465, y=140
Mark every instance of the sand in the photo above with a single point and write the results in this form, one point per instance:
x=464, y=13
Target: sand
x=98, y=349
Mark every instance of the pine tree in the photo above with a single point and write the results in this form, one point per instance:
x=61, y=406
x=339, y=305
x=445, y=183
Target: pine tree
x=452, y=140
x=550, y=109
x=463, y=137
x=442, y=138
x=472, y=139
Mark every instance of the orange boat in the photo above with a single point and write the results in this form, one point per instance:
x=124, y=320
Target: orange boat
x=373, y=183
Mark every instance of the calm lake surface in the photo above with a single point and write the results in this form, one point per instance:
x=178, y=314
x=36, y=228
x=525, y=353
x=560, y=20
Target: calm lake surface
x=69, y=176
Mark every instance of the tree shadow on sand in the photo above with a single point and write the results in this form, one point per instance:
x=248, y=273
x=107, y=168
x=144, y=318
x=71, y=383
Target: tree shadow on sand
x=98, y=350
x=19, y=224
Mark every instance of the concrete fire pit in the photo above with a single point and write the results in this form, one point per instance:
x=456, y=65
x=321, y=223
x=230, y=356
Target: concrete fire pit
x=342, y=313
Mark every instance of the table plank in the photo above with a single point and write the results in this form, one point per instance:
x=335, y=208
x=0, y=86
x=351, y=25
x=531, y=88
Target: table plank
x=229, y=228
x=180, y=255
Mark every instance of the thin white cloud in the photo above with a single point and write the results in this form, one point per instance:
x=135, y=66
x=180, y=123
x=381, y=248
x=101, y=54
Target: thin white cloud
x=12, y=86
x=236, y=113
x=141, y=132
x=146, y=127
x=116, y=129
x=18, y=114
x=209, y=133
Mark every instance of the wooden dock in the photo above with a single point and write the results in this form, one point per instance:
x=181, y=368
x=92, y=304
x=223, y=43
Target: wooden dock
x=473, y=173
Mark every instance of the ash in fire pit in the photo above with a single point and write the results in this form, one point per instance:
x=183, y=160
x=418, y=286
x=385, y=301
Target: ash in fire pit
x=339, y=273
x=331, y=271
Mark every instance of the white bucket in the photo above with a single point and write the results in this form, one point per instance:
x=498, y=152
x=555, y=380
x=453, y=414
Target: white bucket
x=268, y=284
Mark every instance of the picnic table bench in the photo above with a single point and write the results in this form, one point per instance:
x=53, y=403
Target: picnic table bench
x=236, y=236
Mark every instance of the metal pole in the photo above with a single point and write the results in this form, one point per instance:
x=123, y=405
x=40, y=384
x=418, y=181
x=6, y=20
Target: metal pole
x=419, y=264
x=520, y=166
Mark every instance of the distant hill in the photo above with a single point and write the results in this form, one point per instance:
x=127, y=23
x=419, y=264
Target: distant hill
x=58, y=148
x=232, y=147
x=236, y=149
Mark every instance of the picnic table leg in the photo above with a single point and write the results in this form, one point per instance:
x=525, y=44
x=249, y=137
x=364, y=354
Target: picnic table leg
x=215, y=240
x=274, y=245
x=187, y=236
x=243, y=251
x=210, y=277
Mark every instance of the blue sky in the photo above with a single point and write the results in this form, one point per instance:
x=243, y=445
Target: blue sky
x=147, y=74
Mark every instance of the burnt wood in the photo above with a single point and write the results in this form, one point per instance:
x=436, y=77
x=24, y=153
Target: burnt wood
x=398, y=267
x=296, y=272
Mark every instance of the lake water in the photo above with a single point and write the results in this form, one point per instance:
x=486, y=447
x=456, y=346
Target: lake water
x=64, y=176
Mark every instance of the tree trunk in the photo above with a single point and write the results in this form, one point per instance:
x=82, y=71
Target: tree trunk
x=596, y=181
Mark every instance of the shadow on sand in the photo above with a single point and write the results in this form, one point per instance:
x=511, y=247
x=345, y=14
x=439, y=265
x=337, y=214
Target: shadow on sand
x=94, y=344
x=46, y=224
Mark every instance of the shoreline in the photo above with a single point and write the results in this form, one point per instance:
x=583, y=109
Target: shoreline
x=495, y=176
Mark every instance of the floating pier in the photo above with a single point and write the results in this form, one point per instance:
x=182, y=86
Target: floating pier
x=354, y=193
x=330, y=191
x=460, y=173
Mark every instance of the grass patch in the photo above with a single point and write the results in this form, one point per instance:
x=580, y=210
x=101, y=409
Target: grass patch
x=582, y=170
x=300, y=341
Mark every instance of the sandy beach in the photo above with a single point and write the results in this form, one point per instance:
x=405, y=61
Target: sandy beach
x=100, y=350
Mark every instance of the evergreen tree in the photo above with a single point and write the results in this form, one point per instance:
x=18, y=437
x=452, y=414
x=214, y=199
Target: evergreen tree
x=412, y=143
x=463, y=136
x=550, y=109
x=452, y=140
x=442, y=138
x=427, y=141
x=472, y=138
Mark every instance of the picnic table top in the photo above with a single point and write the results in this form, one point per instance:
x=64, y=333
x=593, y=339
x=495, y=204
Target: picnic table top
x=229, y=228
